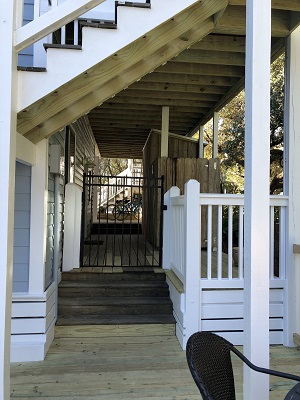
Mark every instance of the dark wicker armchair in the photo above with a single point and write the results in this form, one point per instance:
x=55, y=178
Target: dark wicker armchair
x=208, y=357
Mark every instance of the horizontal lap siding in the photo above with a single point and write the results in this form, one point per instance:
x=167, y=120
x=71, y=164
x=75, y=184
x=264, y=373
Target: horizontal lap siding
x=21, y=228
x=85, y=150
x=223, y=313
x=59, y=138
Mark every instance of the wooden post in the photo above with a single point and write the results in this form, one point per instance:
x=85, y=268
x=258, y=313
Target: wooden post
x=291, y=185
x=38, y=219
x=257, y=167
x=72, y=225
x=201, y=146
x=8, y=123
x=192, y=259
x=164, y=139
x=167, y=233
x=215, y=134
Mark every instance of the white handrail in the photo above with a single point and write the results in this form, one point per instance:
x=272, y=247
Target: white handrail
x=224, y=214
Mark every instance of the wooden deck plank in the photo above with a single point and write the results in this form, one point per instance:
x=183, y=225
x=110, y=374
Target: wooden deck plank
x=125, y=362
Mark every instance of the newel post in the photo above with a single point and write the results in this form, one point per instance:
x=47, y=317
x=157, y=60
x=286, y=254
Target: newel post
x=167, y=226
x=72, y=225
x=192, y=258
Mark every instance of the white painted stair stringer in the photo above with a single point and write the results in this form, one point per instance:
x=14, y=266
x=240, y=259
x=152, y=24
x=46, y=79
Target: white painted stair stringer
x=98, y=44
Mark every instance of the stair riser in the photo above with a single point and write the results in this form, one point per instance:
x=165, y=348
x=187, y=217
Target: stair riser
x=114, y=310
x=94, y=277
x=117, y=320
x=112, y=292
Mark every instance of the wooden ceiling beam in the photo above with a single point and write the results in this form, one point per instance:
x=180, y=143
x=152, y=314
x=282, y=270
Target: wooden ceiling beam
x=290, y=5
x=221, y=43
x=211, y=57
x=163, y=102
x=233, y=21
x=276, y=50
x=174, y=87
x=202, y=69
x=136, y=108
x=156, y=94
x=189, y=79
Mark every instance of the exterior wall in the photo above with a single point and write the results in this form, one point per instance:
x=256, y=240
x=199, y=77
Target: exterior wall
x=22, y=228
x=85, y=147
x=59, y=138
x=85, y=150
x=25, y=58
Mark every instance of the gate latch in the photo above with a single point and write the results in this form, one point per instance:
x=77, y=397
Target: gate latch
x=165, y=207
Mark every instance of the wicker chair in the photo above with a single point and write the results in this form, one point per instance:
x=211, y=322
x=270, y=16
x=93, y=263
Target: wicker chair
x=208, y=357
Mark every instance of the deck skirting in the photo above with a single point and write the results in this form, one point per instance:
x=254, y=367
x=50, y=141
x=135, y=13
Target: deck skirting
x=32, y=325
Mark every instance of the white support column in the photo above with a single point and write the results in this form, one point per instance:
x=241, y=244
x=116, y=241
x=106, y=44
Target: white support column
x=257, y=164
x=38, y=219
x=167, y=226
x=192, y=258
x=8, y=123
x=72, y=226
x=201, y=146
x=215, y=134
x=292, y=187
x=164, y=139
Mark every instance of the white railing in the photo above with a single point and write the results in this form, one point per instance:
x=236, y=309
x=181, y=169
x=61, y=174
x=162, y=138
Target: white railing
x=221, y=229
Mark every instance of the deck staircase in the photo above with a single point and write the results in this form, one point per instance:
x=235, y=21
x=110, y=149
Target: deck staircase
x=78, y=79
x=88, y=298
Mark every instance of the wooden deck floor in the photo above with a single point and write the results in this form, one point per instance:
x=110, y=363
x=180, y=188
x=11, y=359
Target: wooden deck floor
x=122, y=363
x=120, y=250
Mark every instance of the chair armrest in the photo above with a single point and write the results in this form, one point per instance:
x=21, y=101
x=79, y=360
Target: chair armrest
x=265, y=370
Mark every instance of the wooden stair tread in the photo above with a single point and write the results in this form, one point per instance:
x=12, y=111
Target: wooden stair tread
x=116, y=319
x=114, y=301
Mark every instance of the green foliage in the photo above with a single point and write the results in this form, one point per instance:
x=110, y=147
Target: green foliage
x=232, y=136
x=112, y=166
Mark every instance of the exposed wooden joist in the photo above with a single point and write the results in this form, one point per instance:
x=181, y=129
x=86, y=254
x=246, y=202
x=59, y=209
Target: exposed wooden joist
x=221, y=43
x=202, y=69
x=233, y=22
x=292, y=5
x=163, y=101
x=276, y=50
x=211, y=57
x=189, y=79
x=156, y=94
x=173, y=87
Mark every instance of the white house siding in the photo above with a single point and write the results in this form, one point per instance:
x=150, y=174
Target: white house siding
x=25, y=58
x=59, y=138
x=21, y=228
x=85, y=146
x=86, y=149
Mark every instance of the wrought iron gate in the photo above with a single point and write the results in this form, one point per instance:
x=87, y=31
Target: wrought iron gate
x=122, y=222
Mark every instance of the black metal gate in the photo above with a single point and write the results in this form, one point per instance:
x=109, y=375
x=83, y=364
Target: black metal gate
x=122, y=222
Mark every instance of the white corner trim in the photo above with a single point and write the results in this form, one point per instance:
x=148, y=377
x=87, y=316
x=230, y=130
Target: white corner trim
x=25, y=151
x=24, y=296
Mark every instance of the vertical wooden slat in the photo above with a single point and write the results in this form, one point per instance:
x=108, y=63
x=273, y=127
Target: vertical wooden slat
x=271, y=262
x=209, y=242
x=241, y=242
x=230, y=214
x=219, y=246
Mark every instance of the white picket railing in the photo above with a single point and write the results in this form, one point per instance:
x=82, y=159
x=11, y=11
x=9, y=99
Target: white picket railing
x=201, y=234
x=224, y=220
